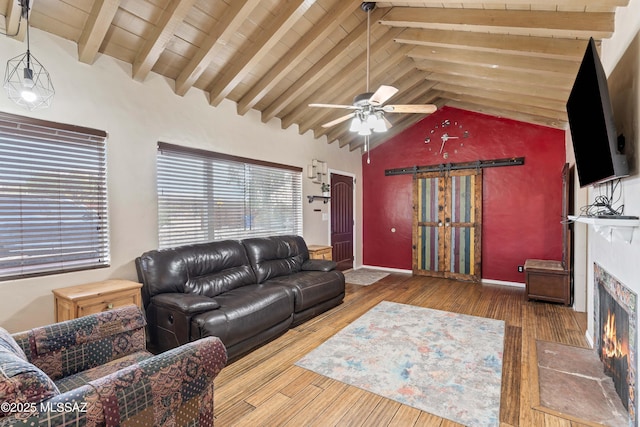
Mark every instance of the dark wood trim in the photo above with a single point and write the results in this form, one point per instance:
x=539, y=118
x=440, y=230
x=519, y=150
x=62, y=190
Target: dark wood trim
x=447, y=167
x=14, y=118
x=222, y=156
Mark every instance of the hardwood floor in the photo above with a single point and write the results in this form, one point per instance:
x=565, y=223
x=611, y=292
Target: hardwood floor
x=266, y=388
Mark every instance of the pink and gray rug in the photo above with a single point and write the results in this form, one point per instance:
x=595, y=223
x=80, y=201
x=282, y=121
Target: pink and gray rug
x=447, y=364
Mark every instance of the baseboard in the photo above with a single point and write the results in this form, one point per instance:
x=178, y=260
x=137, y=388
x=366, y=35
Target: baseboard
x=589, y=339
x=390, y=270
x=503, y=283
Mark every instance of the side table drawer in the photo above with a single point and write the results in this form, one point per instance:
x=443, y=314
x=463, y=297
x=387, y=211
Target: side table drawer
x=107, y=302
x=320, y=252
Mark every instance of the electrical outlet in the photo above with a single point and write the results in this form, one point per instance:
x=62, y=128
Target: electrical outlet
x=520, y=269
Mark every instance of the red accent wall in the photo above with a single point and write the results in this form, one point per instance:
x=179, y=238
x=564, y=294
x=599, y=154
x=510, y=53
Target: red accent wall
x=521, y=204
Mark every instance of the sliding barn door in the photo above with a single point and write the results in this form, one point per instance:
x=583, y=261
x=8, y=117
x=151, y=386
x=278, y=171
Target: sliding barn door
x=447, y=224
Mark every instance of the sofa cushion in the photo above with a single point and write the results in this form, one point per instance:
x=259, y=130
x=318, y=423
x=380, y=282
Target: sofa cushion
x=244, y=313
x=276, y=256
x=8, y=343
x=22, y=382
x=204, y=269
x=81, y=378
x=312, y=287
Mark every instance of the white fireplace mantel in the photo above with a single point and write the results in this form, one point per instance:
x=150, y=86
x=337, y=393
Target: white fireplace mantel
x=610, y=228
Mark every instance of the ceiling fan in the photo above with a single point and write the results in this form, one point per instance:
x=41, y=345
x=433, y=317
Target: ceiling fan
x=368, y=108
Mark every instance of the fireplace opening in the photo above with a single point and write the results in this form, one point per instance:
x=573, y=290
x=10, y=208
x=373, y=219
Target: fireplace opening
x=614, y=344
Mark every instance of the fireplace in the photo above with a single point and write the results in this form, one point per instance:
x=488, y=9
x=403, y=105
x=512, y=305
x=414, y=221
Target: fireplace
x=615, y=336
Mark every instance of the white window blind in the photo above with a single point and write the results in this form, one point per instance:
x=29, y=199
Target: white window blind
x=205, y=196
x=53, y=198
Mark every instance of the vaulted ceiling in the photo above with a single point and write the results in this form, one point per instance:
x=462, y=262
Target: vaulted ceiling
x=516, y=59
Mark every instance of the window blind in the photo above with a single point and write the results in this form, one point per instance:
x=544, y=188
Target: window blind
x=53, y=197
x=205, y=196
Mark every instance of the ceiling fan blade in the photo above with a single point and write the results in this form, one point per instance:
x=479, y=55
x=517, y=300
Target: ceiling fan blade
x=348, y=107
x=382, y=95
x=338, y=120
x=421, y=109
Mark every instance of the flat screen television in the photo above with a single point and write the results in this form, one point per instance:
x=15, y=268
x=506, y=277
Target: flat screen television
x=593, y=130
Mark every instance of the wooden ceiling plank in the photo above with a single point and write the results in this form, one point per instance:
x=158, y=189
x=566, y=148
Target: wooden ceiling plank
x=244, y=61
x=95, y=29
x=509, y=114
x=171, y=18
x=497, y=60
x=316, y=72
x=328, y=90
x=521, y=105
x=527, y=22
x=318, y=33
x=533, y=101
x=503, y=86
x=235, y=14
x=515, y=76
x=539, y=47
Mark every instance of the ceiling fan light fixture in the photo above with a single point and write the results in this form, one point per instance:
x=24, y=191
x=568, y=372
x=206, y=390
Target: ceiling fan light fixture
x=356, y=123
x=365, y=130
x=380, y=125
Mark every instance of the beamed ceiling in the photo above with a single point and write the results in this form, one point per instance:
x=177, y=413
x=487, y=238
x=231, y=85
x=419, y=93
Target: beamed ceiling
x=516, y=59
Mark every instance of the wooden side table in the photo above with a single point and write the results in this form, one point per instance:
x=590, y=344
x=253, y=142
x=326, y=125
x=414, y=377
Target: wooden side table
x=320, y=252
x=547, y=281
x=91, y=298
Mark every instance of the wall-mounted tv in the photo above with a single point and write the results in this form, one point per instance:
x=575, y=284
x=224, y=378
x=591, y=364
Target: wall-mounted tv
x=593, y=130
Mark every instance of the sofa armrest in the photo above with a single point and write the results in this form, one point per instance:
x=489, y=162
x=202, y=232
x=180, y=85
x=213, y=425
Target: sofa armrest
x=189, y=304
x=176, y=383
x=100, y=338
x=318, y=265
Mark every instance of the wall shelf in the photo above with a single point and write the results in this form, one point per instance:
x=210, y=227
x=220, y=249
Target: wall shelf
x=610, y=228
x=325, y=199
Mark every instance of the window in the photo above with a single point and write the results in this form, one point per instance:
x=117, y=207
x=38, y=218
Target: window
x=205, y=196
x=53, y=198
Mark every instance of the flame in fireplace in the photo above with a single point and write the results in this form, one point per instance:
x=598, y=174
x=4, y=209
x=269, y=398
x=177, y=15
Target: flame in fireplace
x=611, y=345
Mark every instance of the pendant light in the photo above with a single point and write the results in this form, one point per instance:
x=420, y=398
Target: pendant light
x=26, y=81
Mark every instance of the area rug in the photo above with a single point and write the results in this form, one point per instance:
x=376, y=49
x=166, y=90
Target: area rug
x=447, y=364
x=363, y=276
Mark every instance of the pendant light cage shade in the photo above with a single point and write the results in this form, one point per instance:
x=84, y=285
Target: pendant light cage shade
x=28, y=83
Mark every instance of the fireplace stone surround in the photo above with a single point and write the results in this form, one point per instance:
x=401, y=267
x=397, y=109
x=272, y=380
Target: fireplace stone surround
x=615, y=336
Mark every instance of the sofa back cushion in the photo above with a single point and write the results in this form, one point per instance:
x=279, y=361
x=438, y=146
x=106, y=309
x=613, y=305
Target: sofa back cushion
x=276, y=256
x=21, y=381
x=205, y=269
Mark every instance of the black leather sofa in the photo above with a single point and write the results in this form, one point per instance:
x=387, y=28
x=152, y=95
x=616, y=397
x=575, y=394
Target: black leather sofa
x=244, y=292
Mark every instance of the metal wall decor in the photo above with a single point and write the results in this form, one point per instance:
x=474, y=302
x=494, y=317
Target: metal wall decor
x=444, y=132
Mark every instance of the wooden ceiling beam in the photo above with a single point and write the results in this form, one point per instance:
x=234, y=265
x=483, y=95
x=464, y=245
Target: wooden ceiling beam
x=558, y=108
x=538, y=47
x=557, y=94
x=508, y=113
x=164, y=30
x=95, y=29
x=497, y=60
x=327, y=91
x=249, y=56
x=233, y=17
x=303, y=47
x=598, y=25
x=13, y=24
x=560, y=81
x=572, y=3
x=317, y=71
x=507, y=104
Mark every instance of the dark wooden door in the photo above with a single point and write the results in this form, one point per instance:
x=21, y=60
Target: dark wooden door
x=342, y=220
x=447, y=225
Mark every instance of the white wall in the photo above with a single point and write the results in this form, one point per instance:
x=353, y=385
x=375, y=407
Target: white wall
x=136, y=116
x=620, y=56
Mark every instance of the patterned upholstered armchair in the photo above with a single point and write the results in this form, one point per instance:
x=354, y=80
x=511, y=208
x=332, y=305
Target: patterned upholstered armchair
x=95, y=371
